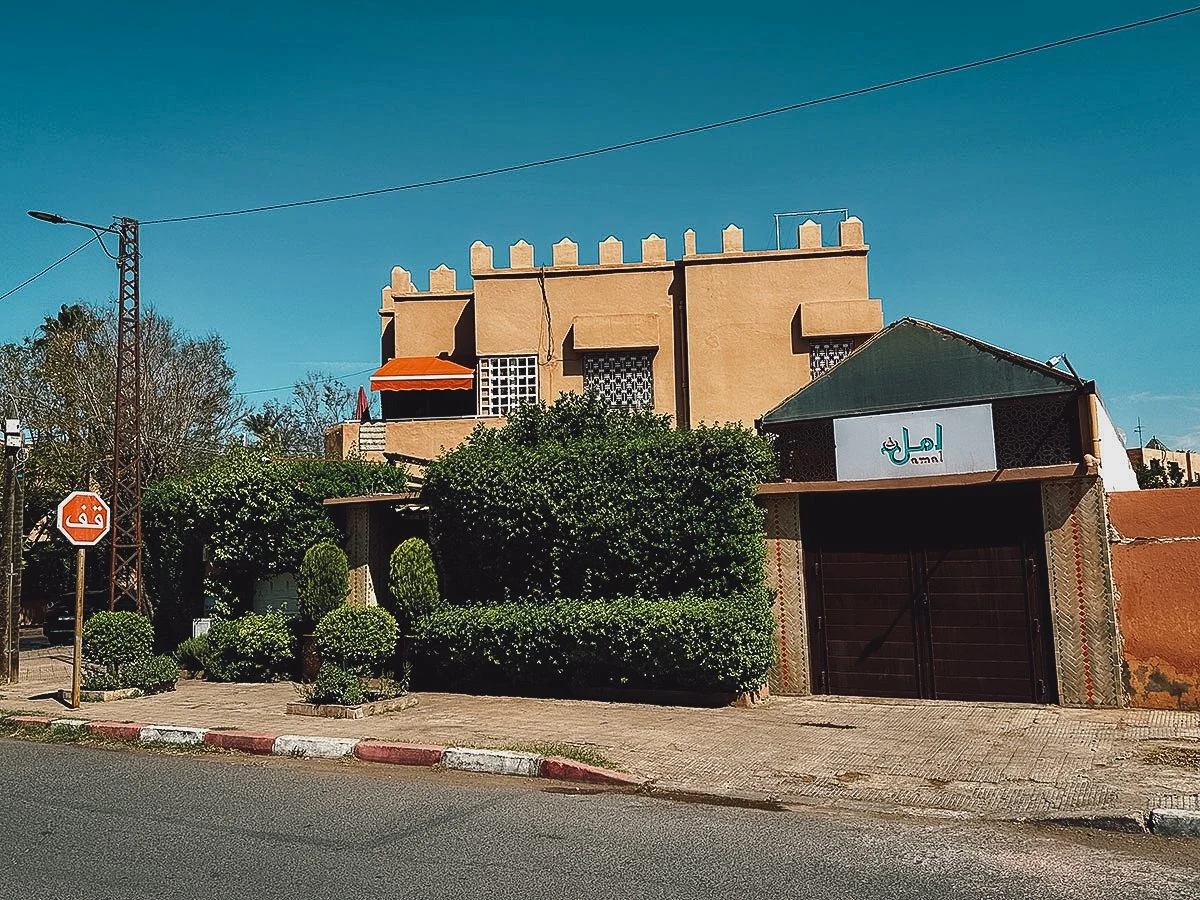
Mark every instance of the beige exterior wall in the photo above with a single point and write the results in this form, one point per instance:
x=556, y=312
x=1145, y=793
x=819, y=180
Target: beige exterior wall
x=633, y=302
x=1187, y=460
x=431, y=326
x=425, y=438
x=731, y=331
x=746, y=348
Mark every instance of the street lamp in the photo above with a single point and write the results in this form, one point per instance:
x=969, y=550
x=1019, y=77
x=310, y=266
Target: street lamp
x=125, y=573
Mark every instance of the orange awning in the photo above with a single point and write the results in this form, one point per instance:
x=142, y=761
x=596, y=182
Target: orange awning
x=422, y=373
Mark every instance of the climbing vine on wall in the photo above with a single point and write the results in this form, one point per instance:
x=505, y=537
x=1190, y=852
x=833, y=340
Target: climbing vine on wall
x=242, y=519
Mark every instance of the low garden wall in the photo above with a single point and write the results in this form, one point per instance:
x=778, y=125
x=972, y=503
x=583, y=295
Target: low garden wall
x=1156, y=565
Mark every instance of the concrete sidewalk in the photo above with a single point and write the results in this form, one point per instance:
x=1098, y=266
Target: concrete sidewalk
x=1000, y=760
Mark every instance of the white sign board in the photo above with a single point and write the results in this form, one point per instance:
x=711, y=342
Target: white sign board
x=910, y=444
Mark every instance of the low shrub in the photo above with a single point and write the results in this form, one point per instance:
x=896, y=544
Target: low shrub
x=157, y=673
x=115, y=639
x=335, y=685
x=413, y=582
x=190, y=654
x=98, y=678
x=323, y=581
x=687, y=643
x=359, y=639
x=252, y=648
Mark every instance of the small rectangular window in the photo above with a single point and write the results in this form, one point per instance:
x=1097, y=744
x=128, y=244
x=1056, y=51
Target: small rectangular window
x=824, y=354
x=624, y=380
x=506, y=382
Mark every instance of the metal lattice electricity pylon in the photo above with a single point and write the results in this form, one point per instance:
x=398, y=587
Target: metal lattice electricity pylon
x=125, y=575
x=125, y=500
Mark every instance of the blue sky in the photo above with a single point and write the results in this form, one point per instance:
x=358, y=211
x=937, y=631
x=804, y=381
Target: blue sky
x=1047, y=204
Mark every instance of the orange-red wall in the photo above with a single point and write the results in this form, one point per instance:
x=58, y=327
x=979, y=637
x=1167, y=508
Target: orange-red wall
x=1156, y=564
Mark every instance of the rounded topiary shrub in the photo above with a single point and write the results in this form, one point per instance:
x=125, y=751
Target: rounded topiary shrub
x=324, y=580
x=412, y=579
x=116, y=639
x=360, y=639
x=252, y=648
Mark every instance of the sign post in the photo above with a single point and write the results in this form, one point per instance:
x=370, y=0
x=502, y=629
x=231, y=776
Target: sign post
x=84, y=519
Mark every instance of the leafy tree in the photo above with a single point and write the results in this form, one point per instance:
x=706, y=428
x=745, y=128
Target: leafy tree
x=1174, y=474
x=275, y=428
x=297, y=427
x=61, y=381
x=1158, y=475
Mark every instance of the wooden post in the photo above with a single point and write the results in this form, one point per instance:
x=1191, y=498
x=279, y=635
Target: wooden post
x=75, y=671
x=8, y=639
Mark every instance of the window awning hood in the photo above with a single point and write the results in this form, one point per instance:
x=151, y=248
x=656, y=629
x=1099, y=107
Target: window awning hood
x=422, y=373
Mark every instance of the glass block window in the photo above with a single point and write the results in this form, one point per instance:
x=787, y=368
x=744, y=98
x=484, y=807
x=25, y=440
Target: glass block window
x=506, y=382
x=624, y=380
x=824, y=354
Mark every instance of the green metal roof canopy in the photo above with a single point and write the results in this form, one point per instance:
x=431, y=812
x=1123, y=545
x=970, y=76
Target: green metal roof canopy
x=916, y=365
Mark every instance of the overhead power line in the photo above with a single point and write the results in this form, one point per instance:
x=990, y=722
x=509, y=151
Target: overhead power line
x=654, y=139
x=672, y=135
x=30, y=281
x=288, y=387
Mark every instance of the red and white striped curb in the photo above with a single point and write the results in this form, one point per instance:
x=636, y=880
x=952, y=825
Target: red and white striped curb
x=467, y=759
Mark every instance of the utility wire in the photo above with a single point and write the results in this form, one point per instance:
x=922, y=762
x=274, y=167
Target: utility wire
x=288, y=387
x=29, y=281
x=671, y=135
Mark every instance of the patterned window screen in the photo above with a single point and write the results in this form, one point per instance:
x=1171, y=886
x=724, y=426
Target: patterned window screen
x=823, y=355
x=506, y=382
x=624, y=380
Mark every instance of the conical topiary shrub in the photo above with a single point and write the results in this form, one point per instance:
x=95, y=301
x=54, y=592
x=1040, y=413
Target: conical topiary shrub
x=412, y=579
x=324, y=580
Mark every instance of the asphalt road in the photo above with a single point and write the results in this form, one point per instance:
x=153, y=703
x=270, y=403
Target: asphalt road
x=88, y=822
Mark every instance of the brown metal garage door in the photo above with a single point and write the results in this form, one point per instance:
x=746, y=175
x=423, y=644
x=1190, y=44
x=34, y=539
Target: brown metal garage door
x=936, y=593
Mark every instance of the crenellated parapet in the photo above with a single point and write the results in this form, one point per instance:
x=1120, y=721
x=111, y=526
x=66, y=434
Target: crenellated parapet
x=611, y=254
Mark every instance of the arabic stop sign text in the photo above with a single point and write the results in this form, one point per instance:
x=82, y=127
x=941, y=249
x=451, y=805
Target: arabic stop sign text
x=83, y=518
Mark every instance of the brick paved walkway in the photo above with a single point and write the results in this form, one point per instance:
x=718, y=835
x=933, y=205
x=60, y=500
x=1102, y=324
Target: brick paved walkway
x=1004, y=760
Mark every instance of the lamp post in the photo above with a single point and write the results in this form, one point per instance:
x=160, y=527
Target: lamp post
x=125, y=498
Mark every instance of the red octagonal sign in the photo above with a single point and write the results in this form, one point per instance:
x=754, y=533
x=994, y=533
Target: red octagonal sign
x=83, y=518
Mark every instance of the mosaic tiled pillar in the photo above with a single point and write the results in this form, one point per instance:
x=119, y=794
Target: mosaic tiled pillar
x=358, y=549
x=785, y=578
x=1087, y=646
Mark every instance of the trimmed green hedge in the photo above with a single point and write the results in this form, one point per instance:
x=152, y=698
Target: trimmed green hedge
x=158, y=673
x=576, y=500
x=688, y=643
x=252, y=648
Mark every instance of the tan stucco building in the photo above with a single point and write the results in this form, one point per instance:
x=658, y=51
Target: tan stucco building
x=704, y=337
x=1178, y=466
